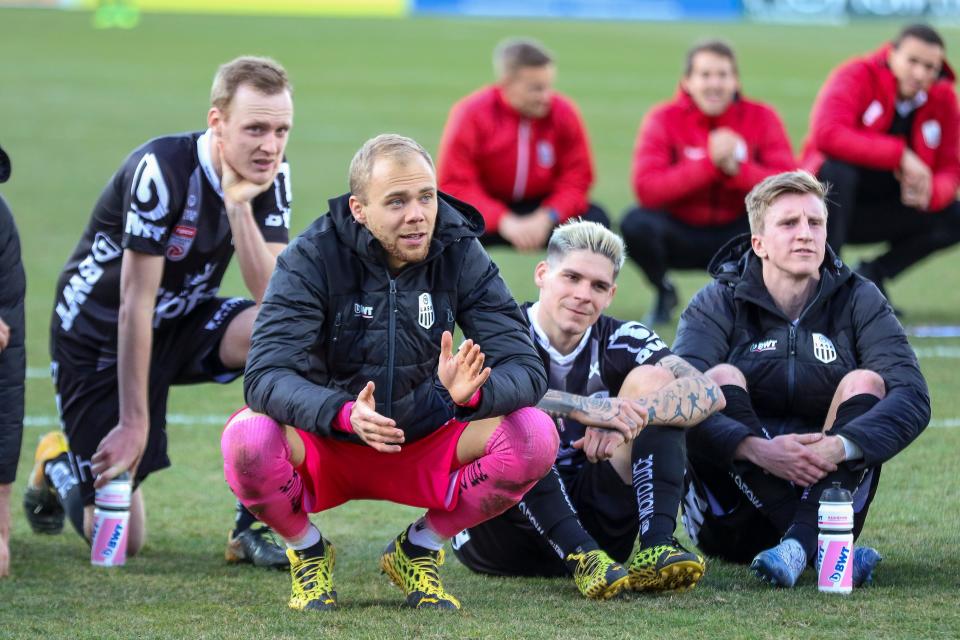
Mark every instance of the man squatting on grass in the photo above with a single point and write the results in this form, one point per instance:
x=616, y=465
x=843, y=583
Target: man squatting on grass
x=820, y=383
x=621, y=401
x=137, y=308
x=353, y=347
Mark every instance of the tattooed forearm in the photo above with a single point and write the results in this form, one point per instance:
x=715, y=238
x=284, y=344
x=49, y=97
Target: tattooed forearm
x=560, y=404
x=686, y=401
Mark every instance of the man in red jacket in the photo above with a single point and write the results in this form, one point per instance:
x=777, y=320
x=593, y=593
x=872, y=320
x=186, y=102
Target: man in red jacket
x=518, y=151
x=697, y=156
x=884, y=134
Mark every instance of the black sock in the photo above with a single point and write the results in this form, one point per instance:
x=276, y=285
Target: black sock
x=804, y=526
x=740, y=408
x=551, y=513
x=60, y=475
x=659, y=456
x=244, y=519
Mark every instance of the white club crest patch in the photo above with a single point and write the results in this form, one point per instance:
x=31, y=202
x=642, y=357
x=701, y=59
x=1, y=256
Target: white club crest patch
x=874, y=111
x=425, y=316
x=931, y=133
x=823, y=348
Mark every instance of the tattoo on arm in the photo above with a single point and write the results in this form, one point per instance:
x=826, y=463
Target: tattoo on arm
x=686, y=401
x=561, y=404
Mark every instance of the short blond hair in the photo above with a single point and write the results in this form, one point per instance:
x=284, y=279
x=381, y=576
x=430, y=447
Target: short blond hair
x=584, y=235
x=263, y=74
x=772, y=188
x=385, y=145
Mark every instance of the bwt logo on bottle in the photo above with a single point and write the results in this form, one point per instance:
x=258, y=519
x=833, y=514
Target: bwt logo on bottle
x=114, y=541
x=841, y=566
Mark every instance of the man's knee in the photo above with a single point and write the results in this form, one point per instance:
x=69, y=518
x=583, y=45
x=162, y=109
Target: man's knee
x=527, y=444
x=727, y=374
x=838, y=174
x=235, y=343
x=251, y=444
x=644, y=380
x=861, y=381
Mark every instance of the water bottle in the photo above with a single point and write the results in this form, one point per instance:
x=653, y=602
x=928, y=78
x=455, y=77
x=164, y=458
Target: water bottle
x=111, y=517
x=835, y=542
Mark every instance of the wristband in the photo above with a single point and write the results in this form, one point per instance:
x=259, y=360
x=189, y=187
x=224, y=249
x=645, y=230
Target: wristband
x=342, y=421
x=472, y=402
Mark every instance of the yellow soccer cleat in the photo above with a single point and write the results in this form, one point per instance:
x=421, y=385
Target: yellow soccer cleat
x=597, y=575
x=40, y=501
x=666, y=567
x=311, y=573
x=417, y=576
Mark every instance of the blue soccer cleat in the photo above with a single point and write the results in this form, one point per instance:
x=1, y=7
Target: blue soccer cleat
x=780, y=565
x=865, y=560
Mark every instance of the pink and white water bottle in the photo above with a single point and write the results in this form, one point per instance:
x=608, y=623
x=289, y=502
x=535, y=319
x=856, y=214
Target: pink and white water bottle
x=111, y=517
x=835, y=542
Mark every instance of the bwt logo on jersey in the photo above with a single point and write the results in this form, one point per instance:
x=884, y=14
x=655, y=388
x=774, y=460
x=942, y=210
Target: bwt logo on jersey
x=89, y=272
x=764, y=345
x=636, y=338
x=362, y=310
x=137, y=227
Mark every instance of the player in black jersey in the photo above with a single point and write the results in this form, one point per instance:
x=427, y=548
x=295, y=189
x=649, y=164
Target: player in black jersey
x=137, y=308
x=621, y=401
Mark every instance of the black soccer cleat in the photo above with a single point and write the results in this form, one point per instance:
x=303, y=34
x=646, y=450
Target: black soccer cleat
x=258, y=546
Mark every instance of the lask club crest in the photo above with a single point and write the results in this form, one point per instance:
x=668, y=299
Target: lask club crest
x=425, y=316
x=823, y=348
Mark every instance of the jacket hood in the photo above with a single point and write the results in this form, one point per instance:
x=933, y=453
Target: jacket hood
x=737, y=266
x=879, y=57
x=455, y=220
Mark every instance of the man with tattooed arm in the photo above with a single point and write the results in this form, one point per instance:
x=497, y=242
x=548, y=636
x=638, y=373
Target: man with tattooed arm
x=621, y=402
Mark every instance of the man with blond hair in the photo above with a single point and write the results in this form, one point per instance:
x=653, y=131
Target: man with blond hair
x=821, y=387
x=355, y=391
x=518, y=151
x=621, y=401
x=136, y=307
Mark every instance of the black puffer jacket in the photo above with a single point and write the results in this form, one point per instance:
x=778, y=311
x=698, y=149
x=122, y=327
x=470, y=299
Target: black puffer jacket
x=13, y=358
x=334, y=317
x=793, y=370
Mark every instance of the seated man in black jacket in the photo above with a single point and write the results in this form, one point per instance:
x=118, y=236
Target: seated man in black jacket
x=820, y=383
x=364, y=302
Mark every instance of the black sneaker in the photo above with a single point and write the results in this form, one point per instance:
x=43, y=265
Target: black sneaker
x=258, y=546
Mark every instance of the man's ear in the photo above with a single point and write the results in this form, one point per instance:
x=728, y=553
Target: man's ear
x=540, y=273
x=757, y=243
x=613, y=292
x=356, y=208
x=215, y=118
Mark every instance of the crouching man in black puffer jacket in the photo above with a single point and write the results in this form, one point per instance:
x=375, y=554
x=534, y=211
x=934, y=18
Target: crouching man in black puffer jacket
x=820, y=383
x=355, y=391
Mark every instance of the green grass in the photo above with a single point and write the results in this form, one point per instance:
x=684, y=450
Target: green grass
x=75, y=101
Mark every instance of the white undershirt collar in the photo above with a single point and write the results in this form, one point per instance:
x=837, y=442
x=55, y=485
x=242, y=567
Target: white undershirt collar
x=555, y=356
x=206, y=161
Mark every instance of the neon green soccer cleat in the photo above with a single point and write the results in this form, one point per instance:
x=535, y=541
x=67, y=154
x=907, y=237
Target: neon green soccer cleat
x=597, y=575
x=417, y=576
x=311, y=571
x=666, y=567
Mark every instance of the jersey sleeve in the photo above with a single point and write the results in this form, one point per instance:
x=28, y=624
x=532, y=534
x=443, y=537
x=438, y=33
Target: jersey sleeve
x=150, y=196
x=628, y=345
x=271, y=209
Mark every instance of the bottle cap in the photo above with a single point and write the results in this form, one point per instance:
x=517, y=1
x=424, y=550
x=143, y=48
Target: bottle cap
x=836, y=493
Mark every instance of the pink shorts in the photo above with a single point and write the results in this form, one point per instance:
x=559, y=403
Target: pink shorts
x=422, y=474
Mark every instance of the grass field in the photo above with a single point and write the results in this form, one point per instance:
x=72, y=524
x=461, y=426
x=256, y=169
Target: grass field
x=75, y=101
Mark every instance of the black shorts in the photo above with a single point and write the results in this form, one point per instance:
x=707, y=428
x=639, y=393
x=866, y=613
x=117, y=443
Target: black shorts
x=724, y=524
x=509, y=545
x=85, y=378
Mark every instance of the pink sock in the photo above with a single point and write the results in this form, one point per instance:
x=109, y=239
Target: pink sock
x=519, y=453
x=256, y=464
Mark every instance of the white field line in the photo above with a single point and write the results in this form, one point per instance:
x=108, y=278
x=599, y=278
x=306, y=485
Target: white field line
x=942, y=351
x=185, y=420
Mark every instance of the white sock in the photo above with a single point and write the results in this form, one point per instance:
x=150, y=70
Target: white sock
x=423, y=536
x=310, y=537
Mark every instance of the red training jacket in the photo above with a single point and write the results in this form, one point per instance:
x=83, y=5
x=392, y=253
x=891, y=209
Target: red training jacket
x=491, y=156
x=855, y=109
x=672, y=170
